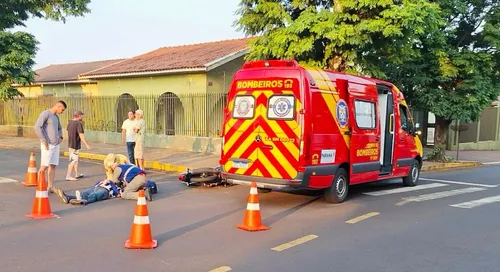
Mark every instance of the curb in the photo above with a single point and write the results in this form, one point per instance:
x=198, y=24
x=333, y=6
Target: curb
x=167, y=167
x=449, y=165
x=151, y=165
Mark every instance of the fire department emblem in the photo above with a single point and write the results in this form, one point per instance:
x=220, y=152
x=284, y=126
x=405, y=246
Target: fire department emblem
x=342, y=114
x=282, y=107
x=243, y=107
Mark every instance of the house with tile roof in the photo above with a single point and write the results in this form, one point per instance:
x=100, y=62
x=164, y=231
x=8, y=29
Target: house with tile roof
x=180, y=88
x=203, y=67
x=63, y=79
x=187, y=84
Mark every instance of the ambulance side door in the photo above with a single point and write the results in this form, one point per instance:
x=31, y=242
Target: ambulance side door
x=405, y=141
x=365, y=134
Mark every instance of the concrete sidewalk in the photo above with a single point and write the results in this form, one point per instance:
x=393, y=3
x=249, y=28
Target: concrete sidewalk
x=162, y=159
x=171, y=160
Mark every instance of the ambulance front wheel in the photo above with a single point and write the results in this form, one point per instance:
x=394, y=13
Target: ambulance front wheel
x=337, y=193
x=412, y=178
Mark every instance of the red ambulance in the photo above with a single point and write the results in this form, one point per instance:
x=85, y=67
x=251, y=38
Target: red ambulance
x=291, y=126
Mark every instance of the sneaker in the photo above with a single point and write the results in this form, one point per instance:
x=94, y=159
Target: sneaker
x=147, y=194
x=78, y=195
x=51, y=190
x=71, y=178
x=79, y=176
x=64, y=198
x=78, y=202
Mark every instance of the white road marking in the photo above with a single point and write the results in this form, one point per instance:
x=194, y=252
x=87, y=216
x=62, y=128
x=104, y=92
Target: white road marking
x=7, y=180
x=406, y=189
x=439, y=195
x=477, y=203
x=460, y=182
x=490, y=163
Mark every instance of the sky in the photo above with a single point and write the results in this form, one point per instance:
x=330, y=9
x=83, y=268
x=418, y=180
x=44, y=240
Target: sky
x=126, y=28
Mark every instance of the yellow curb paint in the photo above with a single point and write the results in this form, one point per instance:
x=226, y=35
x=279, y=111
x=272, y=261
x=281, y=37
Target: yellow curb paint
x=221, y=269
x=362, y=217
x=155, y=165
x=295, y=243
x=446, y=166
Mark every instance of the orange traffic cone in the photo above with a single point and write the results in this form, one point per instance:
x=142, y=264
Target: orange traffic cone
x=252, y=220
x=41, y=205
x=31, y=174
x=140, y=236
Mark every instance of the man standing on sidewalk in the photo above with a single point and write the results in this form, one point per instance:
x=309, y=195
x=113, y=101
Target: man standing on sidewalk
x=140, y=130
x=48, y=129
x=128, y=135
x=75, y=138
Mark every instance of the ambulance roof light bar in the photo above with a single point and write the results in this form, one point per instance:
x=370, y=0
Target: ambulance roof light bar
x=270, y=63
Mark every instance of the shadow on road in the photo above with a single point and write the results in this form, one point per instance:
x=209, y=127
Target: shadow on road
x=275, y=218
x=180, y=231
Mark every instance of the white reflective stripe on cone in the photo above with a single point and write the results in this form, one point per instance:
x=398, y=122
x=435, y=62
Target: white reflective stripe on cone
x=42, y=194
x=253, y=206
x=31, y=170
x=141, y=220
x=253, y=191
x=141, y=201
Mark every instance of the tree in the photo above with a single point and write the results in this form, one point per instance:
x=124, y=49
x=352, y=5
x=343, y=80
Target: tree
x=342, y=35
x=456, y=75
x=18, y=49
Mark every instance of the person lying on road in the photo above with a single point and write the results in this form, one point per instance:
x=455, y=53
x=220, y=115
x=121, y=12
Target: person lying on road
x=102, y=190
x=132, y=178
x=112, y=158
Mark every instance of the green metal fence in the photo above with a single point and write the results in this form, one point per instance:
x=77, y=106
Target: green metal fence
x=192, y=114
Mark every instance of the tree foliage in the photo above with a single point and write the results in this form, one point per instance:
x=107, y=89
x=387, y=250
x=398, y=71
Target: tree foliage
x=18, y=49
x=444, y=54
x=456, y=75
x=342, y=35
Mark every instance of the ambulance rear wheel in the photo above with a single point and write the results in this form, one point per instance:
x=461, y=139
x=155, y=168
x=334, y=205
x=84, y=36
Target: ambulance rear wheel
x=337, y=193
x=412, y=178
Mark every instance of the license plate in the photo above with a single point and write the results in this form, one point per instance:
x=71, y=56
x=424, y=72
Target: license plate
x=237, y=164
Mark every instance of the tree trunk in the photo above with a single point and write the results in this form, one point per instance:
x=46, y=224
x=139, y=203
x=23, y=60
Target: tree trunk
x=442, y=126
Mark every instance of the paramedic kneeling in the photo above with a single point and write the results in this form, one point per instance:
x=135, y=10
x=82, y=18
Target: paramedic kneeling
x=133, y=178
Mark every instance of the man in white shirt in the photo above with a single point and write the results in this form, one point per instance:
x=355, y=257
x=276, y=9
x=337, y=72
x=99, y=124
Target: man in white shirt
x=128, y=135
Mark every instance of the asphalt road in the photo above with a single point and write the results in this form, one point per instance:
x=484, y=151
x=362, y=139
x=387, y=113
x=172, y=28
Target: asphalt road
x=450, y=222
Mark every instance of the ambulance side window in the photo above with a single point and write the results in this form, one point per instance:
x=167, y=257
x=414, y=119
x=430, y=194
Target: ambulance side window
x=365, y=114
x=405, y=121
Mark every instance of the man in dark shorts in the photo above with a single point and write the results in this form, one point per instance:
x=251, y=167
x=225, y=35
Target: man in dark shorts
x=75, y=138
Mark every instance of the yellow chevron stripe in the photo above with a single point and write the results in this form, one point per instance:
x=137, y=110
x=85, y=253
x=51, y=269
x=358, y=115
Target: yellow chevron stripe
x=269, y=166
x=281, y=159
x=333, y=108
x=244, y=146
x=237, y=134
x=261, y=110
x=245, y=126
x=318, y=79
x=289, y=145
